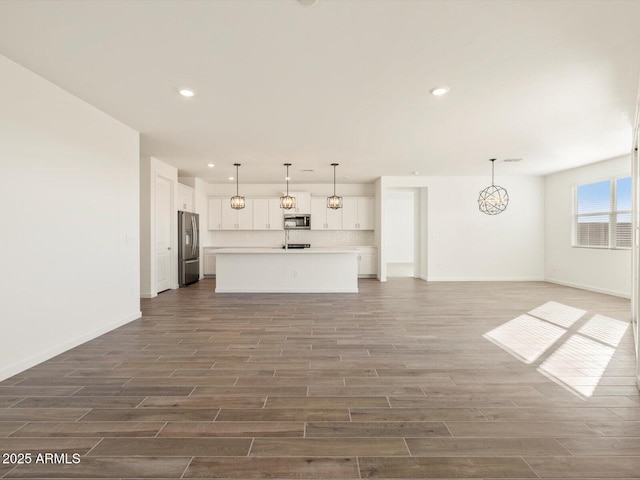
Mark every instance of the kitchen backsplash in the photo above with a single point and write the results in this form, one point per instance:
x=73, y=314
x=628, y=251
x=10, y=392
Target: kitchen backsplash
x=253, y=238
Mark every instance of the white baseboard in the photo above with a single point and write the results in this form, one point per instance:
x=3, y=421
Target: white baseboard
x=34, y=360
x=284, y=290
x=589, y=288
x=484, y=279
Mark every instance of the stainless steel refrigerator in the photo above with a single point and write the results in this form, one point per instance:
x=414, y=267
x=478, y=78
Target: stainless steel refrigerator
x=188, y=248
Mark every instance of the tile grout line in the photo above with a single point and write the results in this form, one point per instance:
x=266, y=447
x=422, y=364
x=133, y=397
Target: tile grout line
x=160, y=430
x=187, y=467
x=92, y=448
x=11, y=470
x=250, y=447
x=532, y=469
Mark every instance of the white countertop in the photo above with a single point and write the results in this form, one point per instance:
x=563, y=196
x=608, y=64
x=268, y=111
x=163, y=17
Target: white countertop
x=280, y=250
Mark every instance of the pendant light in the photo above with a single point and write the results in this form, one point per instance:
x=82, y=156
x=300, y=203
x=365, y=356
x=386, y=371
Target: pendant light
x=287, y=202
x=237, y=202
x=494, y=199
x=334, y=201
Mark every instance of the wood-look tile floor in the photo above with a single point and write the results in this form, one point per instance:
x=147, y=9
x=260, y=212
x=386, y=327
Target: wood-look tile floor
x=406, y=379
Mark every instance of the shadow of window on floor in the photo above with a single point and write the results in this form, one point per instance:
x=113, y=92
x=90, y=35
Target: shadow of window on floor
x=566, y=347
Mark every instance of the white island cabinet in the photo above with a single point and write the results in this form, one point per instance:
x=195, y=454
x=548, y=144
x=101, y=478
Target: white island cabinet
x=309, y=270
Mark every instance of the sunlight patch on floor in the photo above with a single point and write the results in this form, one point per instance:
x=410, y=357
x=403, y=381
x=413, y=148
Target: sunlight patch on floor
x=578, y=352
x=525, y=337
x=574, y=359
x=557, y=313
x=606, y=330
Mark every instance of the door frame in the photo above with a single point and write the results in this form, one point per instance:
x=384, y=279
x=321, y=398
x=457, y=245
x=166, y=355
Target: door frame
x=635, y=250
x=173, y=258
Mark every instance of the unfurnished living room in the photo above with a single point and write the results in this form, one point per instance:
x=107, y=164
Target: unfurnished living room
x=319, y=239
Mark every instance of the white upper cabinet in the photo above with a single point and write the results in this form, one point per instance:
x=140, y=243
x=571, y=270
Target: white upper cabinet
x=233, y=219
x=358, y=213
x=245, y=216
x=267, y=214
x=214, y=219
x=303, y=203
x=366, y=213
x=185, y=198
x=261, y=214
x=324, y=218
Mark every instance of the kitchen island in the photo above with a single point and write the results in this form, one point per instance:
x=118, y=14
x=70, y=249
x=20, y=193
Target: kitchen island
x=276, y=270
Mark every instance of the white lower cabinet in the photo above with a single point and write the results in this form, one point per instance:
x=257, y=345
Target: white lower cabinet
x=367, y=262
x=209, y=262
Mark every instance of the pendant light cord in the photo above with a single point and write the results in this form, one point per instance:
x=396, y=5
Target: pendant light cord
x=493, y=166
x=287, y=180
x=237, y=180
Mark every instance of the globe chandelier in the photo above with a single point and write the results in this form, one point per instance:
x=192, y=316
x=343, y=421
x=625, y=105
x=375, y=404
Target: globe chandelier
x=493, y=199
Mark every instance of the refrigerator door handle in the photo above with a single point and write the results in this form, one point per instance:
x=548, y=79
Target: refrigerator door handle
x=194, y=246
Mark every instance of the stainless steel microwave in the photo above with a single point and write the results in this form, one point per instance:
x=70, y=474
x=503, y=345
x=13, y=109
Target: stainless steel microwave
x=299, y=221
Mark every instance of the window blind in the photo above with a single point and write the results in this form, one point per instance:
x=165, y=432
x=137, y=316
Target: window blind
x=602, y=216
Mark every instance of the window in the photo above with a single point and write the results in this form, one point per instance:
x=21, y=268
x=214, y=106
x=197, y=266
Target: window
x=603, y=214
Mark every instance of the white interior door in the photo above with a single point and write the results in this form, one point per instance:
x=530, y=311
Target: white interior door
x=163, y=234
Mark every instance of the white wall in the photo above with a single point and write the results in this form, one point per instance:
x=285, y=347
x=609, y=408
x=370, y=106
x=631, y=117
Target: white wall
x=465, y=244
x=600, y=270
x=69, y=235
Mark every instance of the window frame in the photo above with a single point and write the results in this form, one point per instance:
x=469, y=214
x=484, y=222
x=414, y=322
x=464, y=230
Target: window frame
x=612, y=215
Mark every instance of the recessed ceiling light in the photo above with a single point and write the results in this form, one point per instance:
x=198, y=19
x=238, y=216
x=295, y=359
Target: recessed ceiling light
x=231, y=178
x=437, y=91
x=307, y=170
x=415, y=173
x=185, y=92
x=512, y=160
x=211, y=165
x=307, y=2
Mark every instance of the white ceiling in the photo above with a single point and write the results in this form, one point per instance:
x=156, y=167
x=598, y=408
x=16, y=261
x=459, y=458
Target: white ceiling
x=346, y=81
